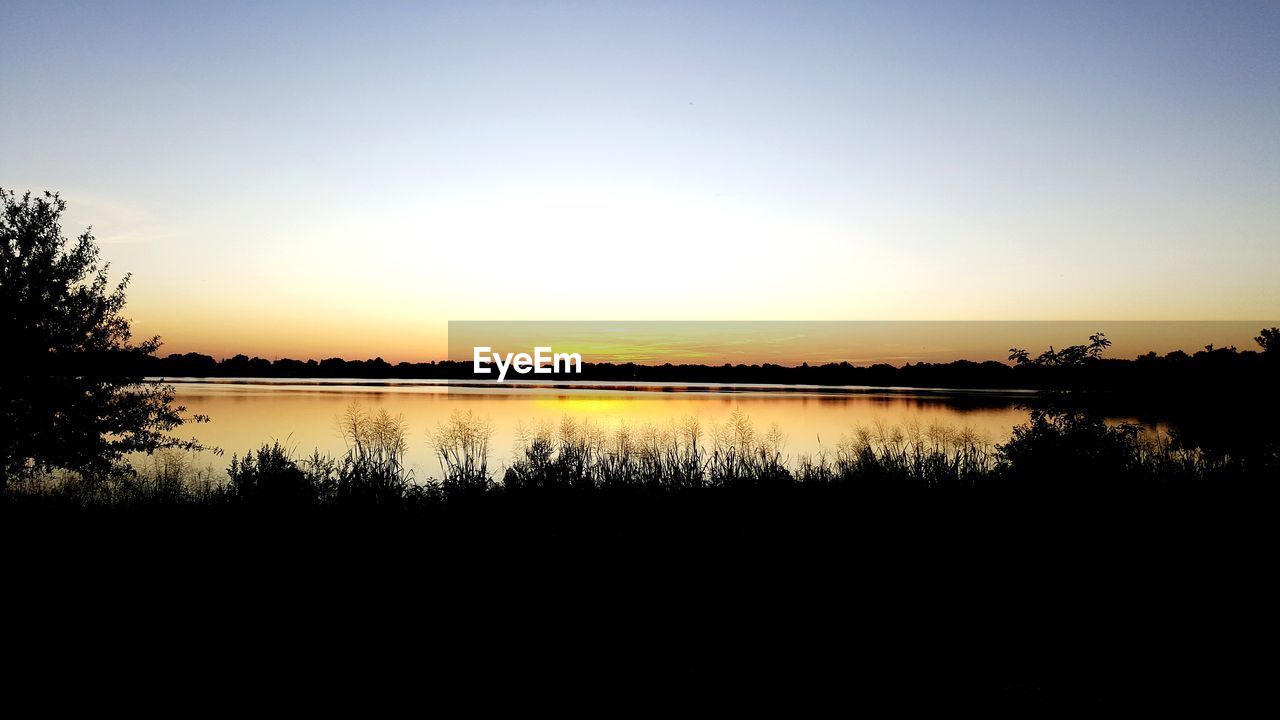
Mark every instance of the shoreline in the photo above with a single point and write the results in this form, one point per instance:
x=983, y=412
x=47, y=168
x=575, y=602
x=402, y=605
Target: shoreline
x=638, y=386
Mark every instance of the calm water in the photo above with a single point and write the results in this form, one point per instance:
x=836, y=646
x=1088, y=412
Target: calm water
x=304, y=414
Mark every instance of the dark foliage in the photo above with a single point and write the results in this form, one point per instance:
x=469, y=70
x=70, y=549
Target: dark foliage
x=57, y=310
x=270, y=477
x=1070, y=449
x=1079, y=567
x=1269, y=340
x=867, y=582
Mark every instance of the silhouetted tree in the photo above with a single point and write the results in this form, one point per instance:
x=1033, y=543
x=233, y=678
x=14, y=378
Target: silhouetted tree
x=1269, y=340
x=1070, y=356
x=73, y=399
x=1098, y=342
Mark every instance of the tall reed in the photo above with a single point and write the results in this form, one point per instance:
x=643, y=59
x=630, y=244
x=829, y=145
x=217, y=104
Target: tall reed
x=1062, y=451
x=462, y=447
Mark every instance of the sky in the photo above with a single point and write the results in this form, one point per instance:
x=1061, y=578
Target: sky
x=314, y=180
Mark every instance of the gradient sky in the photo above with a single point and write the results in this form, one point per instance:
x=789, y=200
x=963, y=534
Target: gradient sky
x=291, y=179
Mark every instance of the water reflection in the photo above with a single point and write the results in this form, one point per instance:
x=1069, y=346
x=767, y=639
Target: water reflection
x=303, y=414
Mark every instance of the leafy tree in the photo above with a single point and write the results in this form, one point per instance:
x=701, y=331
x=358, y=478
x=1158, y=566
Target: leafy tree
x=1098, y=343
x=74, y=397
x=1269, y=340
x=1070, y=356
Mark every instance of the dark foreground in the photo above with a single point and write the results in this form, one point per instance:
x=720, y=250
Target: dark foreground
x=994, y=599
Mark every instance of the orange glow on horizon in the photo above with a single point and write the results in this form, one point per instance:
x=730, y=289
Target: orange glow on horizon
x=719, y=343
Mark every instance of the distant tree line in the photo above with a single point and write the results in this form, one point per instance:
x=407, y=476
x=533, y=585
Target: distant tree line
x=1073, y=367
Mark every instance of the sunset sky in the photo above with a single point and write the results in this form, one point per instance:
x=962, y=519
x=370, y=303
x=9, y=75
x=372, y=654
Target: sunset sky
x=290, y=179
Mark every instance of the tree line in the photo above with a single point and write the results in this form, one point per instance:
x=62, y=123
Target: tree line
x=1075, y=366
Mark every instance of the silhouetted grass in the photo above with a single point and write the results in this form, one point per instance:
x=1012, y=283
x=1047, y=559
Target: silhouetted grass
x=164, y=479
x=933, y=562
x=462, y=446
x=1055, y=451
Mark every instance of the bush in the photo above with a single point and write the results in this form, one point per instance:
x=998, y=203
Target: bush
x=1070, y=446
x=270, y=477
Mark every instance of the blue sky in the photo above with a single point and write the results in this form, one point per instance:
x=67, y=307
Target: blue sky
x=308, y=179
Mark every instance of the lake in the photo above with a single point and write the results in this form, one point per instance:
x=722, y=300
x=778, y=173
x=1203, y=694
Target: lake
x=303, y=414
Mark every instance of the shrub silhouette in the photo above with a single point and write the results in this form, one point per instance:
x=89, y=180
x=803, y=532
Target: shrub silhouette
x=270, y=477
x=565, y=458
x=1269, y=340
x=1068, y=446
x=370, y=474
